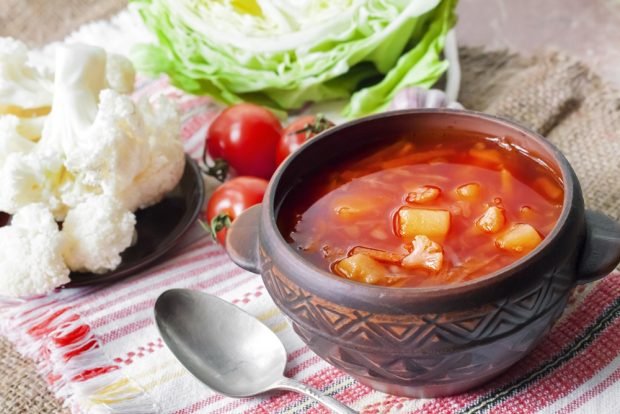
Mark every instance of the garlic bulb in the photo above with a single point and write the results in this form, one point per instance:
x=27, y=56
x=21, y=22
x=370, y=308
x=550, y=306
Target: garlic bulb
x=416, y=98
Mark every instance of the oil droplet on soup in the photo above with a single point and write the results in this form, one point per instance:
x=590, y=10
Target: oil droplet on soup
x=419, y=212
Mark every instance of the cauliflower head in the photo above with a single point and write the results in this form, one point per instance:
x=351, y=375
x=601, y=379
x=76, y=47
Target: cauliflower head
x=95, y=233
x=95, y=140
x=31, y=262
x=76, y=149
x=122, y=149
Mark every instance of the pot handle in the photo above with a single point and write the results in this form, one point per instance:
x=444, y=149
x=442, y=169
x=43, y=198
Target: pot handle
x=601, y=252
x=242, y=239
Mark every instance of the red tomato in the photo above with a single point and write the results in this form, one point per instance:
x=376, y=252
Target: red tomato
x=246, y=136
x=231, y=199
x=298, y=132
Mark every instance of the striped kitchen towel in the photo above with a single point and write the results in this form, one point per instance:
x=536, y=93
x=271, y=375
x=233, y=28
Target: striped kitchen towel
x=99, y=349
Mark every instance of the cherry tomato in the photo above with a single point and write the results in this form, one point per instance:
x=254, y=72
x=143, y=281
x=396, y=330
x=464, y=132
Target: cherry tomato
x=245, y=136
x=298, y=132
x=231, y=199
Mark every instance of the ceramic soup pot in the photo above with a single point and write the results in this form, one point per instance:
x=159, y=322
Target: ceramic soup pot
x=431, y=341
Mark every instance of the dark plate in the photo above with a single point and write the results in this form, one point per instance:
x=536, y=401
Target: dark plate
x=158, y=227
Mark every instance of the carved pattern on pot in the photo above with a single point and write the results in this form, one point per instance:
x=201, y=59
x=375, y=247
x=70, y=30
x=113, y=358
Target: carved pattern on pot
x=433, y=369
x=416, y=332
x=450, y=349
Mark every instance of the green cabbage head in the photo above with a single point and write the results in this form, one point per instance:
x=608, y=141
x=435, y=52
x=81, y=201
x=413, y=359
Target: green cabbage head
x=285, y=53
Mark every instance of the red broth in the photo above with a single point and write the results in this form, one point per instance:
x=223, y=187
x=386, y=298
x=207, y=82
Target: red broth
x=423, y=213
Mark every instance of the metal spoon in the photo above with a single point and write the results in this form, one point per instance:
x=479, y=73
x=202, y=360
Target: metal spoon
x=229, y=350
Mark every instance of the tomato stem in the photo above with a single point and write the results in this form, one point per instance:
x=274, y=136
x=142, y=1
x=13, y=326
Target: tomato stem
x=219, y=169
x=218, y=223
x=319, y=125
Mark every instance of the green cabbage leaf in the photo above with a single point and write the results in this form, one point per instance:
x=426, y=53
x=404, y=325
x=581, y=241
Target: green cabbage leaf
x=286, y=53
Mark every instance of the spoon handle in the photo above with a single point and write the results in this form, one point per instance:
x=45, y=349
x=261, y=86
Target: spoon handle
x=329, y=402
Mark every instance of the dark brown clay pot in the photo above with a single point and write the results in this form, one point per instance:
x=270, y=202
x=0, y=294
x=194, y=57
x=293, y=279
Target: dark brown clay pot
x=433, y=341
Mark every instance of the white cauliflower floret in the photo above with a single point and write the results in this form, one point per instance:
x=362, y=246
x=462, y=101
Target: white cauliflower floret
x=120, y=74
x=166, y=156
x=112, y=151
x=426, y=254
x=27, y=178
x=31, y=263
x=22, y=87
x=31, y=127
x=25, y=92
x=130, y=152
x=73, y=192
x=95, y=233
x=80, y=75
x=10, y=140
x=35, y=217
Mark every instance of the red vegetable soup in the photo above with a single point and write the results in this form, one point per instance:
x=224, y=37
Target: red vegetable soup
x=422, y=212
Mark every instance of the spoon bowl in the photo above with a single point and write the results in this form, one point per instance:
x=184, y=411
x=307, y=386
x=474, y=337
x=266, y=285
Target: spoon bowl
x=227, y=349
x=216, y=343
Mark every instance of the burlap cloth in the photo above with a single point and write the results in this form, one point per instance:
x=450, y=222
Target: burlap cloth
x=38, y=22
x=552, y=94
